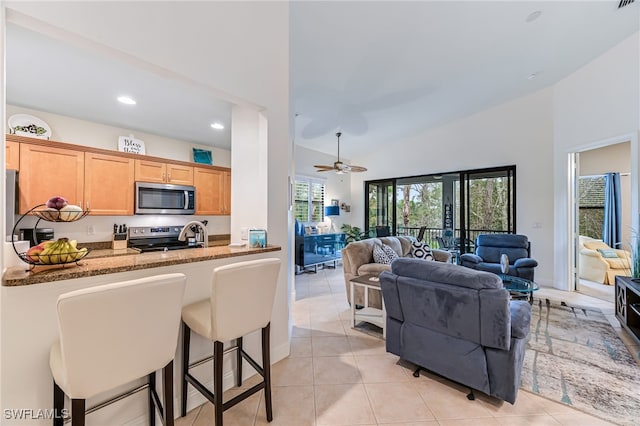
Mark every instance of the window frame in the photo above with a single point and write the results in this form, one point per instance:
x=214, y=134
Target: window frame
x=310, y=181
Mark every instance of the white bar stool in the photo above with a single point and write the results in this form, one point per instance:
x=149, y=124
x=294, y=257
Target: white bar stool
x=241, y=302
x=113, y=334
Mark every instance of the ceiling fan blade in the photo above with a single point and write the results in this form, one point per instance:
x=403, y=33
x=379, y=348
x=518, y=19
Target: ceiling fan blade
x=357, y=169
x=324, y=168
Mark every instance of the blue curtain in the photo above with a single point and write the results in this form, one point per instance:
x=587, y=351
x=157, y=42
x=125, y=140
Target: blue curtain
x=611, y=229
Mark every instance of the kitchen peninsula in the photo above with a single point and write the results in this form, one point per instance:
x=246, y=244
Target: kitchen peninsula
x=30, y=321
x=19, y=276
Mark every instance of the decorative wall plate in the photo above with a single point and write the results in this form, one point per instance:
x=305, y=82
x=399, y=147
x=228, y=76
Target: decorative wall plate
x=28, y=125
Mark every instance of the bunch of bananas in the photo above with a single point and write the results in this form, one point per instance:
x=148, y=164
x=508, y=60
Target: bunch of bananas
x=55, y=252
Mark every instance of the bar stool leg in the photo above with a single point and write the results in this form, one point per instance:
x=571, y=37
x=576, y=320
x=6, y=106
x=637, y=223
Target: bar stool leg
x=152, y=405
x=186, y=337
x=167, y=393
x=239, y=361
x=77, y=412
x=58, y=405
x=218, y=352
x=266, y=366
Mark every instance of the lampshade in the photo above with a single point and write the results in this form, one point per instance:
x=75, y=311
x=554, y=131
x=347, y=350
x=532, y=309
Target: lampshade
x=332, y=211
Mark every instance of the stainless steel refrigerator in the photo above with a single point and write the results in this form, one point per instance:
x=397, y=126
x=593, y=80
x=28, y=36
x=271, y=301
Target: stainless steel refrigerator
x=11, y=201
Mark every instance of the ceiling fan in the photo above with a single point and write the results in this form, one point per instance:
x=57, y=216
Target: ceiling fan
x=339, y=166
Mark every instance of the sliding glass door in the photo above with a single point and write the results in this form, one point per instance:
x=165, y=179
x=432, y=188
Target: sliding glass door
x=447, y=210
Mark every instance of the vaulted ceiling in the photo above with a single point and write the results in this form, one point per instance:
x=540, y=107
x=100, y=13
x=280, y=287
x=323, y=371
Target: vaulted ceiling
x=376, y=70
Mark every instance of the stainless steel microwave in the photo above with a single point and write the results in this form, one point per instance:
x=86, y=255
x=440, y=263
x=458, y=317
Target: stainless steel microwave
x=164, y=198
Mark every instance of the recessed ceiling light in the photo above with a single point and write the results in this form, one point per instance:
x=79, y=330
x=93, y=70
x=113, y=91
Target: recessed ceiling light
x=533, y=16
x=217, y=126
x=126, y=100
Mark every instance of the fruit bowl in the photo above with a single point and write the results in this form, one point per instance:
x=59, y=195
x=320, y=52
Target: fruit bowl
x=54, y=259
x=53, y=215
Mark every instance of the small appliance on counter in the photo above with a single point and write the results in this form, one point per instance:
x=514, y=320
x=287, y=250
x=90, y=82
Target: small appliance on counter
x=37, y=235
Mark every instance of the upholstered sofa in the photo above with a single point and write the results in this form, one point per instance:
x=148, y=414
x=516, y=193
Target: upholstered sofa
x=357, y=260
x=456, y=322
x=594, y=266
x=489, y=249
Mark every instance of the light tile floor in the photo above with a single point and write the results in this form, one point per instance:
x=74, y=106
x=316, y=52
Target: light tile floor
x=339, y=376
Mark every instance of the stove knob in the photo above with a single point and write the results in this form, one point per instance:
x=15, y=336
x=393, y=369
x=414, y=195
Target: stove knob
x=135, y=231
x=176, y=229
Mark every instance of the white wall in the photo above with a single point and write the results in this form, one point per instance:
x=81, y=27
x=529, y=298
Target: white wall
x=241, y=51
x=337, y=186
x=517, y=132
x=595, y=106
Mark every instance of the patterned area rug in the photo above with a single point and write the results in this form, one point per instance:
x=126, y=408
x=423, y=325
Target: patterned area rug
x=574, y=356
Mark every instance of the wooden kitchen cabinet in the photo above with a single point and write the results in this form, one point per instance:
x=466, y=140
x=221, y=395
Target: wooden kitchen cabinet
x=153, y=171
x=12, y=155
x=209, y=191
x=46, y=171
x=109, y=184
x=226, y=192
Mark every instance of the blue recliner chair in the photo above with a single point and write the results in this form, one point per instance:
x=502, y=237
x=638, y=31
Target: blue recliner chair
x=456, y=322
x=490, y=247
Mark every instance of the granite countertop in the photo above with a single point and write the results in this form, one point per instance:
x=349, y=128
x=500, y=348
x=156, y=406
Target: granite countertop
x=122, y=261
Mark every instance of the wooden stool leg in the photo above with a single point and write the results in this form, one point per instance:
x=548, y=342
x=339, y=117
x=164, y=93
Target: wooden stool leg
x=218, y=351
x=58, y=405
x=152, y=405
x=186, y=337
x=239, y=361
x=266, y=365
x=77, y=412
x=167, y=393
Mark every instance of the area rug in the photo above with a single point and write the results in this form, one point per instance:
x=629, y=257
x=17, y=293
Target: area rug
x=575, y=357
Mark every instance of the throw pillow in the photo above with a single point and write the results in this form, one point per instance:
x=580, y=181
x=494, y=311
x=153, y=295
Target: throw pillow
x=610, y=253
x=379, y=256
x=391, y=253
x=421, y=251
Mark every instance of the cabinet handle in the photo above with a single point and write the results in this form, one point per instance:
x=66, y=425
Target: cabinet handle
x=169, y=177
x=164, y=177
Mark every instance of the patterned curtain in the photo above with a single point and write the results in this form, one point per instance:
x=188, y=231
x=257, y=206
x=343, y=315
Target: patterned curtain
x=611, y=229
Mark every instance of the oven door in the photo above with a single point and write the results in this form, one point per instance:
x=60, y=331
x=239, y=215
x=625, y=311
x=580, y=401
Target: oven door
x=162, y=198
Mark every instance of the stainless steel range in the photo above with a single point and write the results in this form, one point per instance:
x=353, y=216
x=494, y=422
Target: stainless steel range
x=159, y=238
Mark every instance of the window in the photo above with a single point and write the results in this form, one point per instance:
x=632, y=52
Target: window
x=308, y=200
x=591, y=205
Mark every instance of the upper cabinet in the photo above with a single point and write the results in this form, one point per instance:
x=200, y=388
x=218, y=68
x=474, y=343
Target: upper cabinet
x=103, y=181
x=12, y=155
x=108, y=184
x=213, y=191
x=154, y=171
x=46, y=171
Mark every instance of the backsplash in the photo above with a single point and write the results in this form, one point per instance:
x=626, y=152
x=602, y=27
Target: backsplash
x=100, y=228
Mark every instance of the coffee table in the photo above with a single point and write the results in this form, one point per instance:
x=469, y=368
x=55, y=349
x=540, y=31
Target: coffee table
x=519, y=288
x=371, y=315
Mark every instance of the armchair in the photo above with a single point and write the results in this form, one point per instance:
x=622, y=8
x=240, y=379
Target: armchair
x=489, y=248
x=458, y=323
x=600, y=263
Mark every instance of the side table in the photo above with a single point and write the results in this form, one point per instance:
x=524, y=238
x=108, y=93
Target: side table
x=371, y=315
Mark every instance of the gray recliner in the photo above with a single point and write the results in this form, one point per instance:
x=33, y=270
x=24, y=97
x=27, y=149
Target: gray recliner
x=490, y=247
x=456, y=322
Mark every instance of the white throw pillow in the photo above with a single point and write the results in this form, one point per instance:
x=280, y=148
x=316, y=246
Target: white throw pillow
x=391, y=253
x=421, y=251
x=379, y=256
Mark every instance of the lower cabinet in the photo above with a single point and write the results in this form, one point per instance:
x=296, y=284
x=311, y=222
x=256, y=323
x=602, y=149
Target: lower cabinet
x=313, y=250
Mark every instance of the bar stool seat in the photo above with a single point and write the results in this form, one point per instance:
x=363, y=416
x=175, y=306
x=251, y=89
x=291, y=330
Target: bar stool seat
x=241, y=302
x=113, y=334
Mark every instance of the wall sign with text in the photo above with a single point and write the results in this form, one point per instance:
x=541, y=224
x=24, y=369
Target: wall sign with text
x=131, y=145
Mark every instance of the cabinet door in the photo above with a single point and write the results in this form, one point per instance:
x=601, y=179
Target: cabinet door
x=226, y=192
x=108, y=184
x=150, y=171
x=12, y=155
x=47, y=171
x=208, y=185
x=179, y=175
